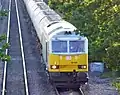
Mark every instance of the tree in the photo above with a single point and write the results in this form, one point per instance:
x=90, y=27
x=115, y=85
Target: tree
x=99, y=20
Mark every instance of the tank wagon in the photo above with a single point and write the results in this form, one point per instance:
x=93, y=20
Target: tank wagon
x=65, y=54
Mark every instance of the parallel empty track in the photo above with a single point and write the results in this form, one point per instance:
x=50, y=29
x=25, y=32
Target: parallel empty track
x=15, y=76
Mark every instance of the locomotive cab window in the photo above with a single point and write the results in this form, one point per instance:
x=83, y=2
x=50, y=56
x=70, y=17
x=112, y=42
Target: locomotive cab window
x=76, y=46
x=59, y=46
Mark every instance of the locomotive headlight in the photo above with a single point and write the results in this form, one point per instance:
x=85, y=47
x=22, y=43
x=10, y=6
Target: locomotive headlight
x=54, y=67
x=82, y=66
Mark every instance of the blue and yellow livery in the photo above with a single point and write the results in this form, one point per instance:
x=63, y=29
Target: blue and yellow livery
x=68, y=59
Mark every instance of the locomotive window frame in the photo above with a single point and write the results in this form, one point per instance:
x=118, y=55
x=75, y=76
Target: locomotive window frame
x=68, y=49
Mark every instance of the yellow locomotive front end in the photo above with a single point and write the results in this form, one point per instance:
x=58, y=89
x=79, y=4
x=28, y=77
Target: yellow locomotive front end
x=68, y=61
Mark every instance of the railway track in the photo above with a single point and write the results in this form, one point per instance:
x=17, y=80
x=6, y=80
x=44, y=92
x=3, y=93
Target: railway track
x=15, y=75
x=70, y=92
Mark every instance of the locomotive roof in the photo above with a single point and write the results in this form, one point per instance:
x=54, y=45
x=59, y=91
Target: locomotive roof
x=54, y=25
x=49, y=13
x=59, y=27
x=38, y=0
x=42, y=6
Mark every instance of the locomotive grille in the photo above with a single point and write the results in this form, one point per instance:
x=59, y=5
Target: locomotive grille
x=52, y=16
x=38, y=0
x=43, y=6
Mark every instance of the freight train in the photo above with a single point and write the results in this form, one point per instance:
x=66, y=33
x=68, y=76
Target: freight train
x=65, y=53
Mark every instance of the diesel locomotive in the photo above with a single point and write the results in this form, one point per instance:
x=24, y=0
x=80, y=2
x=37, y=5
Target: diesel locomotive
x=65, y=53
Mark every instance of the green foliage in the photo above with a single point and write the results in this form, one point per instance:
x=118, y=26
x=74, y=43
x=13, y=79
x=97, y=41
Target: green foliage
x=3, y=13
x=3, y=47
x=3, y=44
x=99, y=20
x=116, y=83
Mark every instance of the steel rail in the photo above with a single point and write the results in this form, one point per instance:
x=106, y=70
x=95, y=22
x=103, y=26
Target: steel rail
x=81, y=91
x=6, y=52
x=22, y=50
x=57, y=92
